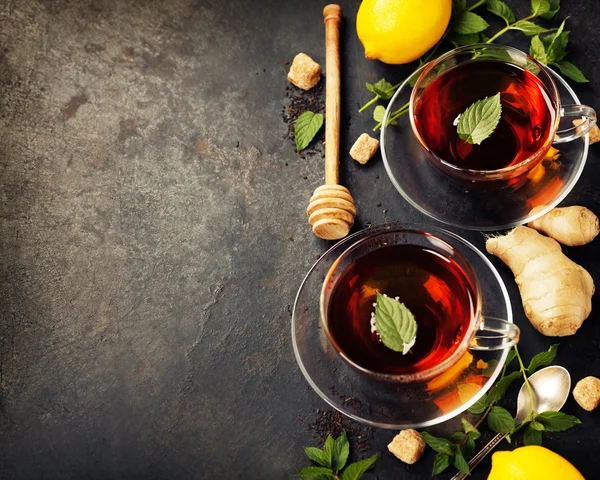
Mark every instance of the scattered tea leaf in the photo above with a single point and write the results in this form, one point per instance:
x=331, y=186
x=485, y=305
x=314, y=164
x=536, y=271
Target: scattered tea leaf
x=542, y=359
x=480, y=120
x=532, y=436
x=557, y=421
x=538, y=51
x=497, y=7
x=306, y=127
x=571, y=71
x=355, y=470
x=341, y=450
x=440, y=463
x=383, y=89
x=460, y=463
x=315, y=473
x=529, y=28
x=469, y=22
x=318, y=456
x=500, y=420
x=395, y=323
x=440, y=445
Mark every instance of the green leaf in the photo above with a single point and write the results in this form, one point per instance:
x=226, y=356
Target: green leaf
x=497, y=7
x=458, y=6
x=529, y=28
x=440, y=445
x=315, y=473
x=554, y=8
x=510, y=357
x=479, y=406
x=500, y=420
x=542, y=359
x=460, y=463
x=499, y=390
x=480, y=120
x=318, y=456
x=556, y=45
x=537, y=426
x=469, y=22
x=355, y=470
x=470, y=429
x=468, y=447
x=378, y=113
x=532, y=436
x=540, y=7
x=341, y=451
x=440, y=463
x=557, y=421
x=571, y=71
x=457, y=437
x=395, y=323
x=306, y=127
x=328, y=450
x=538, y=51
x=383, y=89
x=463, y=39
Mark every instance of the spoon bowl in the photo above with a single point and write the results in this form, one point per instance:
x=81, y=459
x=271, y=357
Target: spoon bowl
x=550, y=387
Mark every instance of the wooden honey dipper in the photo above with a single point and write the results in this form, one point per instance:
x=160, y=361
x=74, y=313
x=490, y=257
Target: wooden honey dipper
x=331, y=210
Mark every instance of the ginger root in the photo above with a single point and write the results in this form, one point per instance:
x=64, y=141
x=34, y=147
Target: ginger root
x=556, y=292
x=570, y=226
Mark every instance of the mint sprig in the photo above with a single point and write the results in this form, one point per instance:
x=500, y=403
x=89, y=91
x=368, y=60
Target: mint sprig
x=480, y=120
x=332, y=459
x=395, y=324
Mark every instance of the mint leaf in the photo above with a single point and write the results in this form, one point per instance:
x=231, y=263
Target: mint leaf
x=315, y=473
x=542, y=359
x=355, y=470
x=457, y=437
x=497, y=7
x=440, y=445
x=554, y=8
x=538, y=51
x=497, y=391
x=532, y=436
x=571, y=71
x=480, y=120
x=480, y=405
x=461, y=463
x=458, y=6
x=528, y=28
x=500, y=420
x=469, y=22
x=540, y=7
x=537, y=426
x=463, y=39
x=556, y=45
x=306, y=127
x=378, y=113
x=470, y=429
x=395, y=324
x=468, y=447
x=440, y=463
x=510, y=357
x=383, y=89
x=328, y=450
x=341, y=451
x=318, y=456
x=557, y=421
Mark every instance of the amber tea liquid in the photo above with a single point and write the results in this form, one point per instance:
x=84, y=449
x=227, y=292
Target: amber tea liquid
x=432, y=286
x=527, y=114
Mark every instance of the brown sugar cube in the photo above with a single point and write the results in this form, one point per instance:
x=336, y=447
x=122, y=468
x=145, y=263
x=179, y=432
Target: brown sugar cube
x=364, y=148
x=408, y=446
x=305, y=73
x=594, y=132
x=587, y=393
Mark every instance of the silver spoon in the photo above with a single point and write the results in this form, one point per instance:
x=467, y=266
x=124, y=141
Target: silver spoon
x=551, y=387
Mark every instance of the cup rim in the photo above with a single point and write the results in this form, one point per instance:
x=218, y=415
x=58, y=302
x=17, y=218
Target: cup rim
x=476, y=317
x=500, y=172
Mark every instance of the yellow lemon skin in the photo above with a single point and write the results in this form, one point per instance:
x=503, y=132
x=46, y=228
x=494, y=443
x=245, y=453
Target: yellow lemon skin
x=400, y=31
x=532, y=463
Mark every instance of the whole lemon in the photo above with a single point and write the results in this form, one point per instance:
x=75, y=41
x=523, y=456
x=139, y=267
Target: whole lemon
x=400, y=31
x=532, y=463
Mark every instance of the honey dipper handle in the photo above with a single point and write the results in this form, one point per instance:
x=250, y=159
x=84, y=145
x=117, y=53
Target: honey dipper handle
x=333, y=16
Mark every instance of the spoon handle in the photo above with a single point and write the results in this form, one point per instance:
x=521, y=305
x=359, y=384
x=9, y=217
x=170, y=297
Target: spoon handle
x=493, y=443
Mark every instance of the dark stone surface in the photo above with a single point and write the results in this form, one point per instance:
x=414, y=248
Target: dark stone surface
x=153, y=236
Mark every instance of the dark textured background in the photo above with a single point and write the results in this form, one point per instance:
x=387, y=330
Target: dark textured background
x=153, y=236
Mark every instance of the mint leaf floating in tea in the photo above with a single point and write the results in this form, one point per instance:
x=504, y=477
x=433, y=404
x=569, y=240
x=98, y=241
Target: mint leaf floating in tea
x=480, y=120
x=395, y=324
x=306, y=127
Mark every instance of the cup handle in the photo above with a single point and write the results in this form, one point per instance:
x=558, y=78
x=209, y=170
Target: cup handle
x=495, y=334
x=585, y=113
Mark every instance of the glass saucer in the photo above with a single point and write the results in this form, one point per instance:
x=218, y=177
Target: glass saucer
x=485, y=209
x=386, y=405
